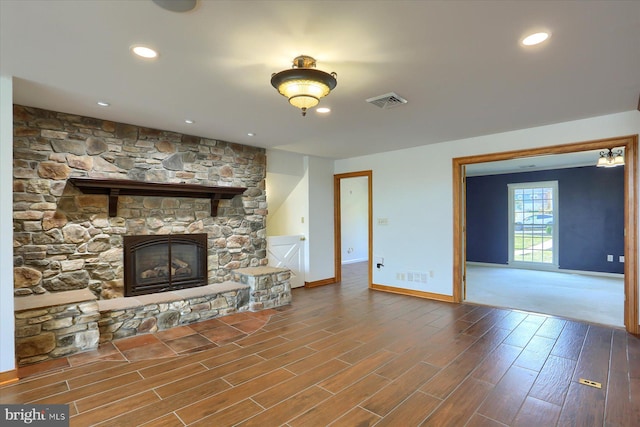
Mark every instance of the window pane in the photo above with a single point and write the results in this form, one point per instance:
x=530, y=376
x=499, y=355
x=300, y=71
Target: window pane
x=533, y=222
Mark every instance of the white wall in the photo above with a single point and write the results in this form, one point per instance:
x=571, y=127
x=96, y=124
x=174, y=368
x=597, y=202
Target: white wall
x=415, y=194
x=7, y=359
x=302, y=187
x=287, y=189
x=320, y=254
x=354, y=212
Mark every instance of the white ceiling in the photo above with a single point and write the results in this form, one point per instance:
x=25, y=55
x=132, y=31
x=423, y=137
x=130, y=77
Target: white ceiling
x=537, y=163
x=458, y=63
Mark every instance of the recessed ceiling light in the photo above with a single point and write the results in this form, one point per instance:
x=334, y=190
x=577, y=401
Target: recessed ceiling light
x=103, y=104
x=176, y=5
x=144, y=51
x=323, y=110
x=189, y=121
x=251, y=134
x=535, y=38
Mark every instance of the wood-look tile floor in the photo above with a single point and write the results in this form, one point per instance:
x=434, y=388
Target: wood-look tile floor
x=343, y=355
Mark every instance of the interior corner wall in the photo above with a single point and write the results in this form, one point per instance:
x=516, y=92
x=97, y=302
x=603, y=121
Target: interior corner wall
x=7, y=340
x=302, y=187
x=287, y=185
x=417, y=201
x=320, y=254
x=291, y=217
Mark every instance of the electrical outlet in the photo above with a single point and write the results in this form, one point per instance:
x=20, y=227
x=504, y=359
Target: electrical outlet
x=610, y=258
x=418, y=277
x=383, y=221
x=621, y=258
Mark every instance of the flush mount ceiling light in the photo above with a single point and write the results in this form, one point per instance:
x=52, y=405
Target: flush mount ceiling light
x=610, y=159
x=303, y=85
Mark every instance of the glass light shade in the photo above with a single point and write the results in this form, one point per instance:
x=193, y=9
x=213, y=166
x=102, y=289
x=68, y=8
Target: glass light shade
x=610, y=159
x=312, y=88
x=303, y=101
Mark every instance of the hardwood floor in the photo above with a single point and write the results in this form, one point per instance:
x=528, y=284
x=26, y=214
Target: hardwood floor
x=343, y=355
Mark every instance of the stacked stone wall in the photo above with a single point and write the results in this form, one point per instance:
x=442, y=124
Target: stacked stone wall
x=63, y=328
x=51, y=332
x=64, y=239
x=270, y=286
x=149, y=318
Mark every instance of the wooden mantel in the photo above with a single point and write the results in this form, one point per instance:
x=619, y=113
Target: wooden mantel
x=122, y=187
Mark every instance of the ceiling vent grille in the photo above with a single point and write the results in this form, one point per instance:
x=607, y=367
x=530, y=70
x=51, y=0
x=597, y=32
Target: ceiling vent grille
x=388, y=100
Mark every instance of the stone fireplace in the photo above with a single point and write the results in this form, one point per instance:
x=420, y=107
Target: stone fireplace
x=82, y=185
x=69, y=239
x=162, y=263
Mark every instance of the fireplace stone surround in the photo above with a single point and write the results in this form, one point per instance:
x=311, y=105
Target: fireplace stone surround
x=76, y=321
x=68, y=245
x=65, y=239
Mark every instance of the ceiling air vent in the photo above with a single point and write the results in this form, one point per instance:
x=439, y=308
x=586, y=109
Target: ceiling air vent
x=388, y=100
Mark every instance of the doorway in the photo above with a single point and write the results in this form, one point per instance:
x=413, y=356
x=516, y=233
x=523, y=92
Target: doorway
x=362, y=183
x=630, y=145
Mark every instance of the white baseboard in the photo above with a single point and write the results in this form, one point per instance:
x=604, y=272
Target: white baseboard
x=353, y=261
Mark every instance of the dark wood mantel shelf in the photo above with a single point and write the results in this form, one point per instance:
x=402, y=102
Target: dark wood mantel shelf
x=122, y=187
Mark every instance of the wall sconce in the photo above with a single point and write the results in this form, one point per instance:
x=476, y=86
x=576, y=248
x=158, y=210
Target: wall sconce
x=610, y=159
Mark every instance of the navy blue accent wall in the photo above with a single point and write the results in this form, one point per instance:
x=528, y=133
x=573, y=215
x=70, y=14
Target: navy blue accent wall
x=590, y=216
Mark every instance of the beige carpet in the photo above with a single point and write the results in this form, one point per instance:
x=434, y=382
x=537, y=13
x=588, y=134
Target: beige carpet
x=593, y=299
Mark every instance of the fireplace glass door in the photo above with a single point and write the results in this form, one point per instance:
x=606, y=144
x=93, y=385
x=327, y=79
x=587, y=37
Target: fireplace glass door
x=161, y=263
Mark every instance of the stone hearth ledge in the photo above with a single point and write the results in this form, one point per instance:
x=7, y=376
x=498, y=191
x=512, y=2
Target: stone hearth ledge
x=167, y=297
x=52, y=299
x=59, y=324
x=84, y=295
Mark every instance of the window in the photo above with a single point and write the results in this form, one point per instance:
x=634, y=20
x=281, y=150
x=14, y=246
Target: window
x=533, y=224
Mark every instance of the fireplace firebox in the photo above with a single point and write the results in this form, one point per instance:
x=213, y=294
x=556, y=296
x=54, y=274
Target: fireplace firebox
x=162, y=263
